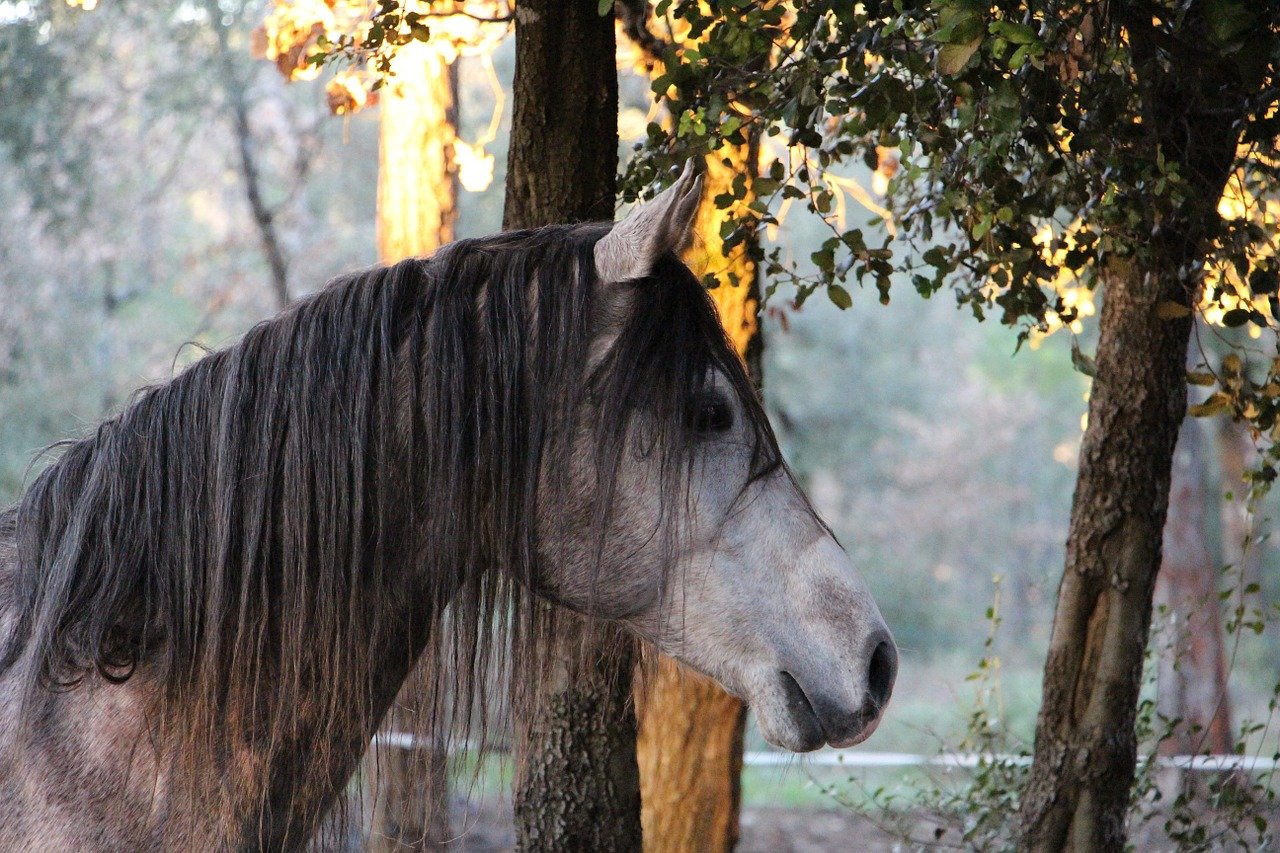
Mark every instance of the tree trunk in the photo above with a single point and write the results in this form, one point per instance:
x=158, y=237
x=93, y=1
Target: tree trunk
x=691, y=731
x=264, y=218
x=577, y=785
x=1193, y=663
x=417, y=206
x=1085, y=753
x=1236, y=455
x=417, y=182
x=1077, y=794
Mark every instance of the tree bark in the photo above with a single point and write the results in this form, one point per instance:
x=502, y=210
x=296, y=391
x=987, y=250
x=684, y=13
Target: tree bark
x=1236, y=454
x=1077, y=794
x=417, y=208
x=577, y=785
x=1085, y=753
x=691, y=731
x=417, y=181
x=563, y=158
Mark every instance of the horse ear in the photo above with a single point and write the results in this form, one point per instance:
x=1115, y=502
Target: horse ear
x=634, y=245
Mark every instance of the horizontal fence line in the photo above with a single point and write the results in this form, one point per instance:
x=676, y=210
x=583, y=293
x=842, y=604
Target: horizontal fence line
x=953, y=760
x=970, y=760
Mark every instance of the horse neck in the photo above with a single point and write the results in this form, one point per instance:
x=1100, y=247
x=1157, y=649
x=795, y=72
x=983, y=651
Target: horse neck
x=286, y=788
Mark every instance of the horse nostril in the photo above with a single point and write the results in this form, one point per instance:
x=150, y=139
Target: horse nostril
x=880, y=676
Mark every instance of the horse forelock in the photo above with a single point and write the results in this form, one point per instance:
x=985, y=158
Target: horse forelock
x=243, y=534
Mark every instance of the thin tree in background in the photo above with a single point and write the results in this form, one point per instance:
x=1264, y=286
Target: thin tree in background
x=1192, y=686
x=235, y=87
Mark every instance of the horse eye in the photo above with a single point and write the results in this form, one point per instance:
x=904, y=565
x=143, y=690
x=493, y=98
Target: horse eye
x=712, y=416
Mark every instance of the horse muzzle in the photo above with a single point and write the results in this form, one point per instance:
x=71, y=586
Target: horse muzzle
x=819, y=716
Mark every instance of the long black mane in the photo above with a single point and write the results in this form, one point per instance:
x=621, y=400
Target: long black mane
x=237, y=533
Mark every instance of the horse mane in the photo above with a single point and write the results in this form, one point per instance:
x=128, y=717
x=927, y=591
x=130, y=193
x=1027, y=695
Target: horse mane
x=236, y=533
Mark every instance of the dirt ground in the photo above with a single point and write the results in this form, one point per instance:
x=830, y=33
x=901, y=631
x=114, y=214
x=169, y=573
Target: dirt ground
x=488, y=828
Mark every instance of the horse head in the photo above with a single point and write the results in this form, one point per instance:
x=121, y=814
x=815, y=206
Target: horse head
x=691, y=530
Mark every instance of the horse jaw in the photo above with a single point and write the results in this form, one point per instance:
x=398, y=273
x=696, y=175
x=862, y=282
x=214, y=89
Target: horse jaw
x=774, y=611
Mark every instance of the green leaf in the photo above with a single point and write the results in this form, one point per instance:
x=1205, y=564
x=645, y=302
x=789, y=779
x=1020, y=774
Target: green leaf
x=1081, y=362
x=839, y=296
x=1235, y=318
x=1228, y=19
x=1013, y=33
x=605, y=7
x=952, y=58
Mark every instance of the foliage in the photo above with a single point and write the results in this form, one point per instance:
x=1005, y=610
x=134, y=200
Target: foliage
x=1029, y=160
x=362, y=38
x=976, y=809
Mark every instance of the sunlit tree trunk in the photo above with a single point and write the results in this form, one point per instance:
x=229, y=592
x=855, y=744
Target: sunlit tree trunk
x=1236, y=454
x=417, y=186
x=417, y=206
x=577, y=786
x=691, y=731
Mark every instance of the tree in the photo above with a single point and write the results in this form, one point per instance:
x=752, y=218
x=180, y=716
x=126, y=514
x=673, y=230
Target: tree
x=235, y=90
x=1193, y=672
x=1044, y=146
x=577, y=785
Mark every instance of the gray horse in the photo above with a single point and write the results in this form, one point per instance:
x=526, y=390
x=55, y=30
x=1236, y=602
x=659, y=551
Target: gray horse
x=207, y=606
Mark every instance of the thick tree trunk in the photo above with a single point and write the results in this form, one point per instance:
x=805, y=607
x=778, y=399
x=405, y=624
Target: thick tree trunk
x=1078, y=791
x=417, y=205
x=691, y=731
x=563, y=159
x=577, y=785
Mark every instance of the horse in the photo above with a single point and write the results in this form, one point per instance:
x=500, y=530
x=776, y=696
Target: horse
x=208, y=604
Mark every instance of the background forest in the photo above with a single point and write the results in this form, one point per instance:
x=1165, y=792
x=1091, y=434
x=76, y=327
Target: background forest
x=132, y=236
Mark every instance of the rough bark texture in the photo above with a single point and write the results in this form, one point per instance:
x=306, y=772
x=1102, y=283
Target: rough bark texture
x=563, y=156
x=690, y=753
x=417, y=206
x=1085, y=746
x=577, y=784
x=691, y=731
x=1078, y=790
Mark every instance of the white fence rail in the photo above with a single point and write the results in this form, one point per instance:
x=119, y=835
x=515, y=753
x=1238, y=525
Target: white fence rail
x=959, y=760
